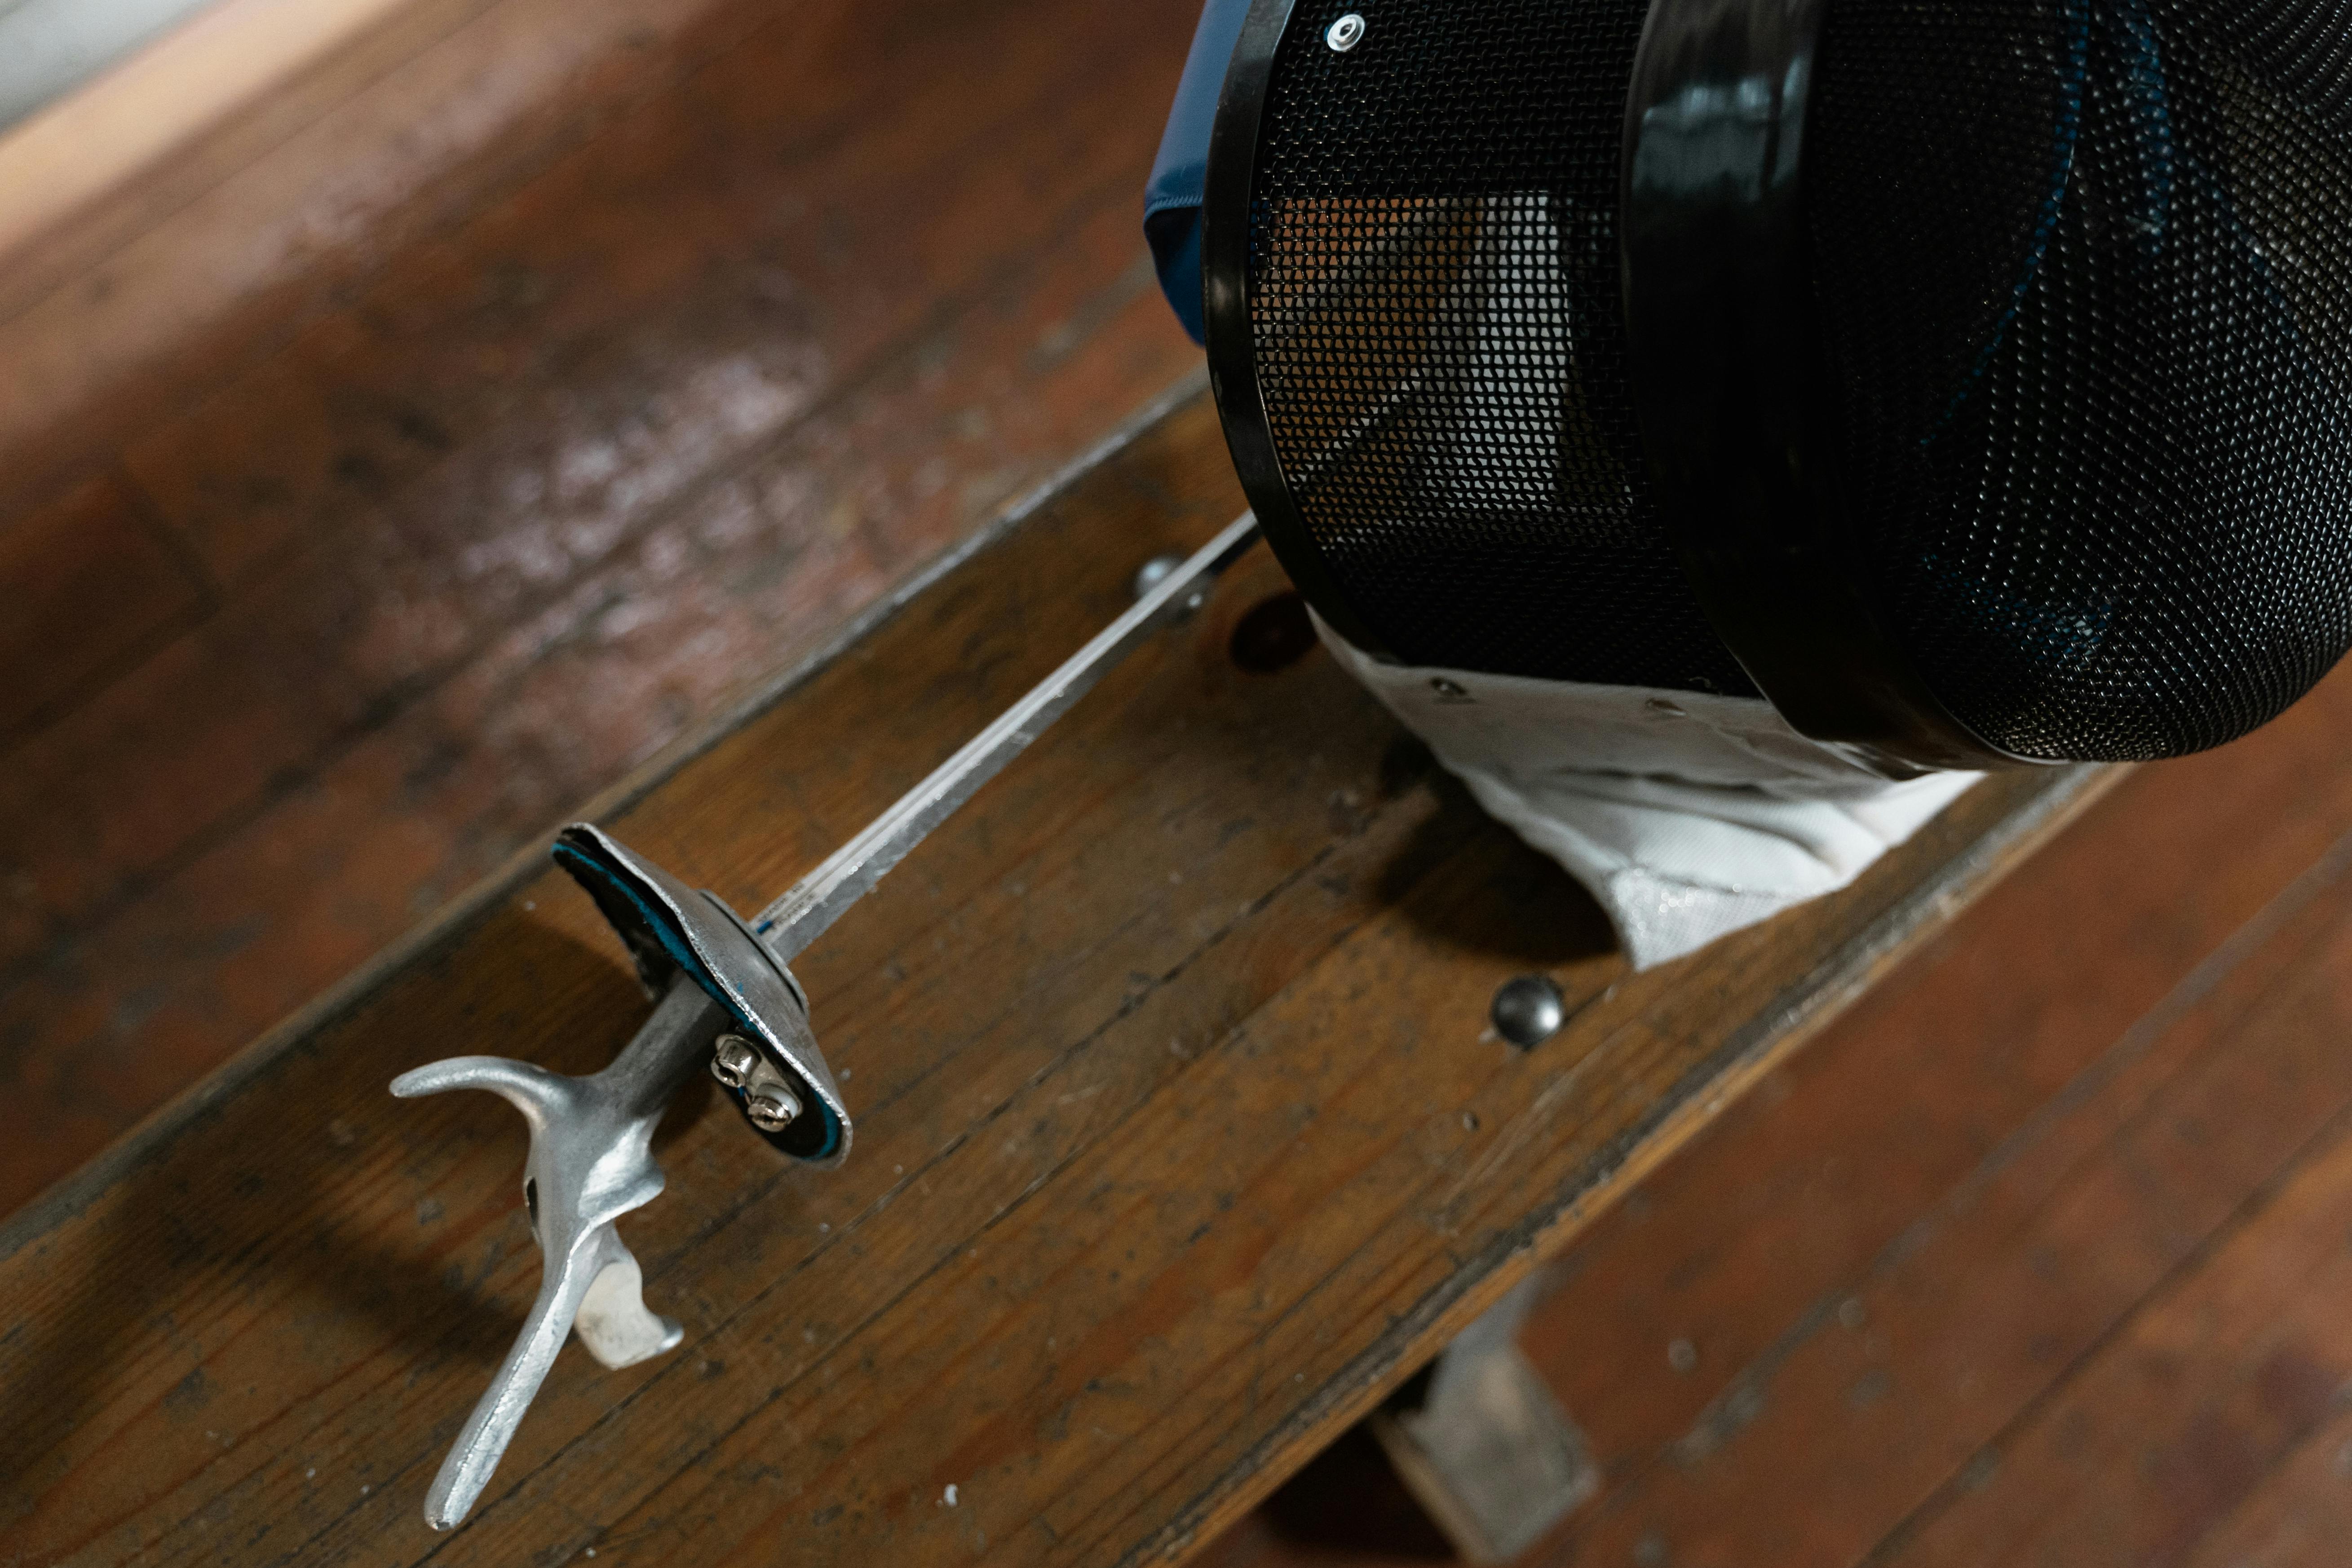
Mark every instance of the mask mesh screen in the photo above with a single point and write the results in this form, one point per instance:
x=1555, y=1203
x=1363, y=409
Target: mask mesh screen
x=1440, y=345
x=2082, y=277
x=2083, y=273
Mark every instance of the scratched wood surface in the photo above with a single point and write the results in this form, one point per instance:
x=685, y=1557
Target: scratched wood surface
x=2036, y=1255
x=1181, y=1138
x=437, y=436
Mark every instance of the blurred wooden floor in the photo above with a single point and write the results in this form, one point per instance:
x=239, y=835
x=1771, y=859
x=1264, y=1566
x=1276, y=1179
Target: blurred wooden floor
x=338, y=596
x=424, y=458
x=2041, y=1256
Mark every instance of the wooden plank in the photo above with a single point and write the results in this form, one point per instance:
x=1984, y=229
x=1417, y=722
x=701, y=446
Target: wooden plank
x=90, y=583
x=1692, y=1295
x=2166, y=1422
x=734, y=254
x=544, y=494
x=2298, y=1516
x=1688, y=1301
x=1182, y=1139
x=103, y=160
x=120, y=304
x=1876, y=1406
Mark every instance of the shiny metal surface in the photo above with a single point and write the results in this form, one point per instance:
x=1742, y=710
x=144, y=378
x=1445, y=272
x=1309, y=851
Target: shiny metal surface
x=1154, y=572
x=771, y=1109
x=1528, y=1010
x=726, y=998
x=769, y=1102
x=669, y=929
x=590, y=1162
x=802, y=914
x=1345, y=34
x=732, y=1060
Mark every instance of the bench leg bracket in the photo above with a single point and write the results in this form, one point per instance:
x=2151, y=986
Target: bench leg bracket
x=1482, y=1443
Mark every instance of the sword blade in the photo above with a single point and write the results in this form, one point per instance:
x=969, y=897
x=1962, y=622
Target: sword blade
x=819, y=898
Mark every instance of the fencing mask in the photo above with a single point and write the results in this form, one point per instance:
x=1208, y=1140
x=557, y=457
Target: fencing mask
x=1721, y=426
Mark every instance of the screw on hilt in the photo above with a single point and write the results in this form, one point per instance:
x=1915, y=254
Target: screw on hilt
x=771, y=1110
x=733, y=1061
x=725, y=998
x=768, y=1098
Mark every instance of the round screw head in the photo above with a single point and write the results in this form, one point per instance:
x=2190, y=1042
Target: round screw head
x=1346, y=33
x=1529, y=1010
x=771, y=1110
x=1154, y=572
x=732, y=1060
x=1158, y=569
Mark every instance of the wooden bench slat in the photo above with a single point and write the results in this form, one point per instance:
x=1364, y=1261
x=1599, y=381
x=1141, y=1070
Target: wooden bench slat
x=1180, y=1136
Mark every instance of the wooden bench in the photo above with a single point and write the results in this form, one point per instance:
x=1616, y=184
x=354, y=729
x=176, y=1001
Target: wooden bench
x=1184, y=1137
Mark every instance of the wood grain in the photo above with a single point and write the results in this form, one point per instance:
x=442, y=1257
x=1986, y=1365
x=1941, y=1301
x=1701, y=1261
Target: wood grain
x=1181, y=1139
x=1879, y=1413
x=91, y=583
x=110, y=141
x=2297, y=1515
x=2225, y=1197
x=120, y=305
x=2121, y=1039
x=747, y=312
x=1865, y=1147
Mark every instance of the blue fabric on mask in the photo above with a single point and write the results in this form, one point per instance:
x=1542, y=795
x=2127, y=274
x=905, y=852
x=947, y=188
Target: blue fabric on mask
x=1171, y=201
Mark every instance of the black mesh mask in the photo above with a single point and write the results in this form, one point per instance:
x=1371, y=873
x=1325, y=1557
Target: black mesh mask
x=1968, y=377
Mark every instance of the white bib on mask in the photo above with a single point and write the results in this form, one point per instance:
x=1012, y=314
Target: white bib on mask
x=1688, y=816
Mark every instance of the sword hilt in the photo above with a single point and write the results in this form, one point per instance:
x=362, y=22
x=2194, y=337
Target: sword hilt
x=590, y=1161
x=725, y=997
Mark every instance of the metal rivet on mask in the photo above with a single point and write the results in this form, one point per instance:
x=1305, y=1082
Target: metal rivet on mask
x=1529, y=1010
x=1346, y=33
x=732, y=1060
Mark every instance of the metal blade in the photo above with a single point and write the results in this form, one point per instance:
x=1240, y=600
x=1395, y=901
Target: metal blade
x=819, y=898
x=591, y=1138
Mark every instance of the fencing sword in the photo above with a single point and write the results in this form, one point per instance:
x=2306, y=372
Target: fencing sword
x=724, y=995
